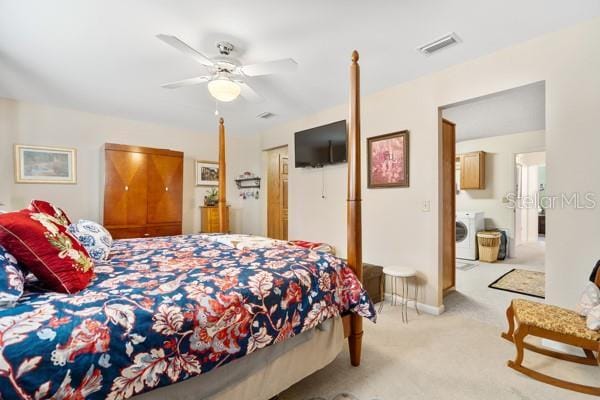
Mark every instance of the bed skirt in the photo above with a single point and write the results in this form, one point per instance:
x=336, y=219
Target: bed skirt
x=264, y=373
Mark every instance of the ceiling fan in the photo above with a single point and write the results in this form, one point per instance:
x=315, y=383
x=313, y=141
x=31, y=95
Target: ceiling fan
x=226, y=77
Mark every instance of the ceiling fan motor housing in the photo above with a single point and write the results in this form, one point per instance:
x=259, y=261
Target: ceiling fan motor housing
x=225, y=48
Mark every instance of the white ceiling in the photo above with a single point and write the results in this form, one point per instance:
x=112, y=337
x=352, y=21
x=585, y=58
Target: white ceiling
x=517, y=110
x=102, y=55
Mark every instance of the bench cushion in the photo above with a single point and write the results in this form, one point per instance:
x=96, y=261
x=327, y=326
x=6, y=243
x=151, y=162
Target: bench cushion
x=553, y=318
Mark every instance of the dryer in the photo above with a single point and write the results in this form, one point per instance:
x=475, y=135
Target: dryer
x=468, y=223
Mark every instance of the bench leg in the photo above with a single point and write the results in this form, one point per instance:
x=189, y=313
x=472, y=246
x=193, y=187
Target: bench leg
x=519, y=340
x=510, y=317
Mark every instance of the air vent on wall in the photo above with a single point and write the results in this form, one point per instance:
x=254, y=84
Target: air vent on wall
x=439, y=44
x=265, y=115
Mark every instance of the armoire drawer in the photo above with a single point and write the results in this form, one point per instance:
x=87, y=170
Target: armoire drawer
x=127, y=233
x=164, y=230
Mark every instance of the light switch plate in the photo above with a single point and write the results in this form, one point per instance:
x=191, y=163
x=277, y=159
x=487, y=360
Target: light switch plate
x=426, y=206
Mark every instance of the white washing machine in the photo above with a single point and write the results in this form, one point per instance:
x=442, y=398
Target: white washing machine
x=468, y=223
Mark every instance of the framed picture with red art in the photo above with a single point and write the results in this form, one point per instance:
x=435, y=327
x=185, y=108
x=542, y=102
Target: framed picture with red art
x=388, y=160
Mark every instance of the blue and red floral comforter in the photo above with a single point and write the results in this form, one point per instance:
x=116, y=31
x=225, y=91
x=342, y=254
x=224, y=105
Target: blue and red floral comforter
x=165, y=309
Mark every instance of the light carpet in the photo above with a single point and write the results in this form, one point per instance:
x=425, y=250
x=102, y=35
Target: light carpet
x=438, y=357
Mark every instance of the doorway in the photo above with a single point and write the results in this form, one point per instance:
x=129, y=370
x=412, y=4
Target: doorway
x=530, y=215
x=488, y=152
x=277, y=193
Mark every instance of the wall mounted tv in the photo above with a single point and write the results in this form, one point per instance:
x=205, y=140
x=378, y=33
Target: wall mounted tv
x=320, y=146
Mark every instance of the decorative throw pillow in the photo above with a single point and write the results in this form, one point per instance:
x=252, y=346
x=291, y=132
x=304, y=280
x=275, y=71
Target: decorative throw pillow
x=94, y=237
x=41, y=206
x=12, y=279
x=590, y=298
x=593, y=318
x=44, y=246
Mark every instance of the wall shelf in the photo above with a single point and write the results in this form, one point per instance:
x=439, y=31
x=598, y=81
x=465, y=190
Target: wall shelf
x=248, y=183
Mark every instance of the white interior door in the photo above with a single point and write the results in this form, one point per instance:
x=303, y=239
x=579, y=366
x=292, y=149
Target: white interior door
x=520, y=180
x=532, y=206
x=526, y=211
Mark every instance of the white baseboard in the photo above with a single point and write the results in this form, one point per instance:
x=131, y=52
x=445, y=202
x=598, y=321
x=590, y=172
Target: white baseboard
x=426, y=308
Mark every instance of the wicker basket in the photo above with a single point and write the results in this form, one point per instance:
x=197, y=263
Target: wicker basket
x=489, y=245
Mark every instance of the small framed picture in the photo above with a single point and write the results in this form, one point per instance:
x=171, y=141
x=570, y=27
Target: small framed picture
x=207, y=173
x=37, y=164
x=388, y=160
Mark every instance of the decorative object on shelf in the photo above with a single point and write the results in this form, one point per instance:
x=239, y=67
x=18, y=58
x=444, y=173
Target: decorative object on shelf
x=211, y=198
x=388, y=160
x=36, y=164
x=207, y=173
x=245, y=183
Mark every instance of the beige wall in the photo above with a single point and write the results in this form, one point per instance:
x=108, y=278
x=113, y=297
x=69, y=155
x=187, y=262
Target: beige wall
x=396, y=230
x=34, y=124
x=499, y=176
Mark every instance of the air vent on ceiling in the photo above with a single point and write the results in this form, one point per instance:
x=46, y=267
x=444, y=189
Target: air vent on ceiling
x=265, y=115
x=440, y=43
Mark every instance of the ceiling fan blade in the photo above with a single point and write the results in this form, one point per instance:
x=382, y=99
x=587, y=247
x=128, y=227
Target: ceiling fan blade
x=270, y=67
x=186, y=82
x=249, y=94
x=184, y=48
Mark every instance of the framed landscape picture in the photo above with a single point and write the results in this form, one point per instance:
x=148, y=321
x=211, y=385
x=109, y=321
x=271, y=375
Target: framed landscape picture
x=36, y=164
x=388, y=160
x=207, y=173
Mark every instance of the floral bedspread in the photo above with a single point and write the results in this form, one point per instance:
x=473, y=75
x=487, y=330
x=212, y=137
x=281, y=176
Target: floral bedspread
x=162, y=310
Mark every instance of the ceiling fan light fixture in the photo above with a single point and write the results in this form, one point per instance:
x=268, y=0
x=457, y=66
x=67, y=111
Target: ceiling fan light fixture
x=224, y=89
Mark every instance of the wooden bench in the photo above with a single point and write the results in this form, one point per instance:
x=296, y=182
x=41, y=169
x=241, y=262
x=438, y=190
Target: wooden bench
x=553, y=323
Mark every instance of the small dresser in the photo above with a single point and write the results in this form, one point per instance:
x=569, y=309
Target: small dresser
x=210, y=219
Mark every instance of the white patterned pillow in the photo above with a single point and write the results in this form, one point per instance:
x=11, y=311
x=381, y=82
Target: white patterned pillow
x=94, y=237
x=590, y=298
x=12, y=279
x=593, y=318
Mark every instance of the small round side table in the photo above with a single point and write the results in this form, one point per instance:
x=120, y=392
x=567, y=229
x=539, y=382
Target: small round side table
x=404, y=274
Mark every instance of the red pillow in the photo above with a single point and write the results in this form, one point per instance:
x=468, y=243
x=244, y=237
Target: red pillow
x=41, y=206
x=45, y=247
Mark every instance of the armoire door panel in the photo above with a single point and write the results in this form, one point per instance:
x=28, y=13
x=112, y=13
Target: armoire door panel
x=165, y=186
x=125, y=194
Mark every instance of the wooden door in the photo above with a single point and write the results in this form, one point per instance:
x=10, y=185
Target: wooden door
x=277, y=184
x=283, y=186
x=449, y=205
x=165, y=189
x=125, y=192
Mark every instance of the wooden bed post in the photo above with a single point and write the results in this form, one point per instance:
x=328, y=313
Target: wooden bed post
x=354, y=204
x=223, y=220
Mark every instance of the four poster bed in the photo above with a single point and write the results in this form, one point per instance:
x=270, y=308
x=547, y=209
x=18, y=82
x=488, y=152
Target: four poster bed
x=223, y=316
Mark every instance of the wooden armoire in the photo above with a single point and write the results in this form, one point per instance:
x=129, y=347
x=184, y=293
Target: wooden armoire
x=143, y=191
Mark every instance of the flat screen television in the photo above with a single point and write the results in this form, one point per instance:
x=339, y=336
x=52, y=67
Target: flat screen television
x=320, y=146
